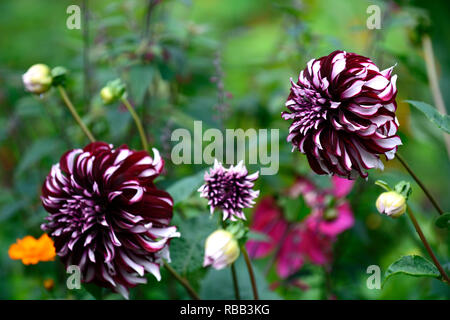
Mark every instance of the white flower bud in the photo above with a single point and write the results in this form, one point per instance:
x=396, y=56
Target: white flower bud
x=37, y=79
x=107, y=95
x=391, y=203
x=221, y=249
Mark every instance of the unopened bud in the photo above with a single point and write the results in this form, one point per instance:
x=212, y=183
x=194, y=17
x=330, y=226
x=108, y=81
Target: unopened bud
x=391, y=203
x=37, y=79
x=113, y=91
x=221, y=249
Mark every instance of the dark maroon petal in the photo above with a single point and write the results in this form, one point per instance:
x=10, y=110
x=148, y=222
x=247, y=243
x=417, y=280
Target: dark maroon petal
x=107, y=216
x=342, y=113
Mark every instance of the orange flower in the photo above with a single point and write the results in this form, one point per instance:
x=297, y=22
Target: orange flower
x=31, y=250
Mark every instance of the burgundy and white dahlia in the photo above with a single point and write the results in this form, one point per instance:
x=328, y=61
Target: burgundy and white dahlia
x=230, y=190
x=343, y=114
x=107, y=216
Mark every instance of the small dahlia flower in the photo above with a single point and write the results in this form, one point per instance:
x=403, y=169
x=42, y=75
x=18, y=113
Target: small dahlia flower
x=230, y=190
x=37, y=79
x=221, y=249
x=107, y=216
x=342, y=110
x=31, y=250
x=391, y=203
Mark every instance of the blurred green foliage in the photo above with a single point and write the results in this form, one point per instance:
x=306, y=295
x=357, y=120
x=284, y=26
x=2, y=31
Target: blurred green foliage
x=175, y=57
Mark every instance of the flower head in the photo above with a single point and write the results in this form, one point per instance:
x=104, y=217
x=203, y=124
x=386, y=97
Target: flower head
x=391, y=203
x=107, y=216
x=37, y=79
x=230, y=190
x=310, y=239
x=221, y=249
x=343, y=114
x=31, y=250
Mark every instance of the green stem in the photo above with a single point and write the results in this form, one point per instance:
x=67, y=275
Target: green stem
x=250, y=273
x=427, y=246
x=138, y=123
x=235, y=282
x=434, y=82
x=419, y=182
x=184, y=282
x=74, y=112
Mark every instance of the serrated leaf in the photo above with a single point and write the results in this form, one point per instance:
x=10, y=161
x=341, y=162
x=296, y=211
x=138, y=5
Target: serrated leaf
x=443, y=221
x=184, y=188
x=413, y=265
x=442, y=121
x=187, y=251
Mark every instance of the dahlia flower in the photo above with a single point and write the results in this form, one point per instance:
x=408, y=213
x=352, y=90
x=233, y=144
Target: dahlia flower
x=343, y=114
x=107, y=216
x=308, y=240
x=221, y=249
x=391, y=203
x=37, y=79
x=230, y=190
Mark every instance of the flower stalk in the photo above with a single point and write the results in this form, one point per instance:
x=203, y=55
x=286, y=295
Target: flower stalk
x=250, y=273
x=184, y=282
x=427, y=246
x=419, y=182
x=74, y=113
x=138, y=122
x=237, y=295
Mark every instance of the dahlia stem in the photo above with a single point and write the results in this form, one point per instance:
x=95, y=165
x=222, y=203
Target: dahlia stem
x=421, y=185
x=427, y=246
x=250, y=273
x=434, y=83
x=138, y=123
x=235, y=282
x=184, y=282
x=74, y=112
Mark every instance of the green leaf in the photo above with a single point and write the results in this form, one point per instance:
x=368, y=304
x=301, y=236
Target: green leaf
x=442, y=121
x=295, y=209
x=96, y=291
x=40, y=149
x=140, y=78
x=182, y=189
x=443, y=221
x=187, y=251
x=257, y=236
x=413, y=265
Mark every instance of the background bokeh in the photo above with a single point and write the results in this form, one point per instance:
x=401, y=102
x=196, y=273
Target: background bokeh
x=227, y=63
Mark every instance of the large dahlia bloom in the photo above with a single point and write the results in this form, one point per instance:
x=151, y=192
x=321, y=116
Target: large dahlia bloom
x=107, y=216
x=230, y=190
x=343, y=114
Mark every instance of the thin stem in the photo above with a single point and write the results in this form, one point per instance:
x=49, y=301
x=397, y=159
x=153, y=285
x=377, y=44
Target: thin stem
x=86, y=65
x=419, y=182
x=138, y=123
x=235, y=282
x=434, y=82
x=74, y=112
x=182, y=281
x=250, y=273
x=427, y=246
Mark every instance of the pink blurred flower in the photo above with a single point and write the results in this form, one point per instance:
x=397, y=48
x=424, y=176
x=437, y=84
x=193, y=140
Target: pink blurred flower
x=308, y=240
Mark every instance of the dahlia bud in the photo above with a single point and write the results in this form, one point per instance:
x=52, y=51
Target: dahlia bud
x=391, y=203
x=107, y=95
x=37, y=79
x=221, y=249
x=113, y=91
